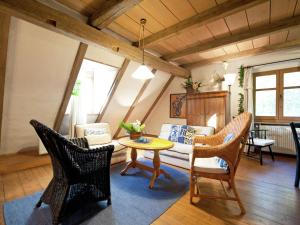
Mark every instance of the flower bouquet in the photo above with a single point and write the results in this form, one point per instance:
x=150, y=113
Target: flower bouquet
x=134, y=129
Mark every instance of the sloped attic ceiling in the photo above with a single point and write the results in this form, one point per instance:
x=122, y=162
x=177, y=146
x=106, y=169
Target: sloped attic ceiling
x=39, y=63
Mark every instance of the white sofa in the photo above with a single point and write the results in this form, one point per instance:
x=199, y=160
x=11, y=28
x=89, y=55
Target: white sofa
x=96, y=140
x=179, y=154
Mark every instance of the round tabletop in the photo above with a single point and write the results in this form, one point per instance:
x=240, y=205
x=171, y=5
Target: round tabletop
x=154, y=144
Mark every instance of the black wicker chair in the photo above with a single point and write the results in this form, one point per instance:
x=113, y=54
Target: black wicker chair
x=80, y=175
x=297, y=146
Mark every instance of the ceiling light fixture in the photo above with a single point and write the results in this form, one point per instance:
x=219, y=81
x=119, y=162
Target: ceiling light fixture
x=142, y=72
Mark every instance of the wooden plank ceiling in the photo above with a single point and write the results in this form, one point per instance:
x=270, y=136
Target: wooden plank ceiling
x=239, y=17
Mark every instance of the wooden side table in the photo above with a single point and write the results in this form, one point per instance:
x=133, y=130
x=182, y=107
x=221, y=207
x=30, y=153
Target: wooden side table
x=155, y=145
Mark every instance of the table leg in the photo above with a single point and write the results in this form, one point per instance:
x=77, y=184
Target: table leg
x=131, y=164
x=156, y=166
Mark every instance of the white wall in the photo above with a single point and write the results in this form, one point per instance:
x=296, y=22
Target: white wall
x=205, y=73
x=161, y=112
x=149, y=96
x=38, y=67
x=123, y=98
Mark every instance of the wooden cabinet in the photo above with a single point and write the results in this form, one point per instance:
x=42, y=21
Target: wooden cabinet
x=207, y=109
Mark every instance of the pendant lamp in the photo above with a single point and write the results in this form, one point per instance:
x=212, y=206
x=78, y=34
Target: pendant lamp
x=142, y=72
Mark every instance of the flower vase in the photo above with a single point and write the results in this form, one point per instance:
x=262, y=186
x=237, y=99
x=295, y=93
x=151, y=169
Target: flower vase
x=135, y=135
x=190, y=90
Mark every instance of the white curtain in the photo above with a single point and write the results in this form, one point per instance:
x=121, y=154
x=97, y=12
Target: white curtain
x=78, y=114
x=248, y=92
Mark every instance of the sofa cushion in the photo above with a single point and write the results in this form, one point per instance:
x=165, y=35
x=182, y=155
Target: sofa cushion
x=80, y=129
x=174, y=133
x=174, y=154
x=189, y=135
x=118, y=146
x=205, y=131
x=98, y=139
x=182, y=148
x=199, y=130
x=94, y=131
x=182, y=134
x=208, y=165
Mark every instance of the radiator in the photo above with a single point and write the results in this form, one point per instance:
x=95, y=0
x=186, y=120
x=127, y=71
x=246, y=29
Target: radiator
x=284, y=142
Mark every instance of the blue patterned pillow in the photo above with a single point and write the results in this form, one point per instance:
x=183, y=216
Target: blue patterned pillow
x=222, y=162
x=228, y=137
x=182, y=132
x=174, y=133
x=189, y=134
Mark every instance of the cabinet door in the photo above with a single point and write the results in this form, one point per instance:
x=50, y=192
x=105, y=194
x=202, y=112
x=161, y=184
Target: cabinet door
x=196, y=112
x=215, y=112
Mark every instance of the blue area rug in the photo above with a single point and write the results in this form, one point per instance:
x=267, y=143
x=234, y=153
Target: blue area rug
x=133, y=203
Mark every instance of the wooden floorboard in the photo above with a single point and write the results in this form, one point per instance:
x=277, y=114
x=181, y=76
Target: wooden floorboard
x=21, y=161
x=267, y=192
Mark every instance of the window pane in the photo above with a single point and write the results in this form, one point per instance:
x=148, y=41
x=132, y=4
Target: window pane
x=292, y=79
x=265, y=103
x=291, y=102
x=266, y=82
x=95, y=82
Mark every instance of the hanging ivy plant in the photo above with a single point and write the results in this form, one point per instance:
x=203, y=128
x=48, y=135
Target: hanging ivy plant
x=241, y=95
x=241, y=76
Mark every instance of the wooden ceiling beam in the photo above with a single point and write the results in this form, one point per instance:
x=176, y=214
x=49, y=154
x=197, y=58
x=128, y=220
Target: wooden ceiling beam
x=247, y=53
x=4, y=32
x=110, y=10
x=215, y=13
x=113, y=89
x=135, y=102
x=70, y=85
x=237, y=38
x=49, y=18
x=158, y=98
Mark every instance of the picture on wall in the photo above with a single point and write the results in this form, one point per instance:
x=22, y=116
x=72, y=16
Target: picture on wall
x=178, y=106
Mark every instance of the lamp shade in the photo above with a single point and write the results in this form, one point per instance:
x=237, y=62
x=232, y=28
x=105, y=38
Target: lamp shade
x=229, y=78
x=143, y=73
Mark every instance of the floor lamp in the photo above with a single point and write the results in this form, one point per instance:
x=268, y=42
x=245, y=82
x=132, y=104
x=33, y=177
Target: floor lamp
x=229, y=80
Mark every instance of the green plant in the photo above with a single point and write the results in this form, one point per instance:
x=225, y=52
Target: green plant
x=133, y=127
x=241, y=103
x=76, y=88
x=188, y=82
x=241, y=84
x=241, y=76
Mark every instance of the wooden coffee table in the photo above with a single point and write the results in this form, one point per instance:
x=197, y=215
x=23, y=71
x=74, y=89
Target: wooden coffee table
x=155, y=145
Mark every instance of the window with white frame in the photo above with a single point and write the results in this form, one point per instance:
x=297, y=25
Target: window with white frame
x=95, y=80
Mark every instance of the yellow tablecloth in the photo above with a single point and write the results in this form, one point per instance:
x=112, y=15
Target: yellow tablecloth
x=154, y=144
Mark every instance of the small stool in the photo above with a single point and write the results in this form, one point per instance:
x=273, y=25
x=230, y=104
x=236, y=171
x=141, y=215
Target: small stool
x=259, y=143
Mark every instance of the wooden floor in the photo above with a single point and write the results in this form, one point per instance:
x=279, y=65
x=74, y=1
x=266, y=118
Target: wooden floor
x=267, y=192
x=22, y=160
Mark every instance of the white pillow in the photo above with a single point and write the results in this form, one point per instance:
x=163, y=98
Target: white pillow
x=98, y=139
x=94, y=131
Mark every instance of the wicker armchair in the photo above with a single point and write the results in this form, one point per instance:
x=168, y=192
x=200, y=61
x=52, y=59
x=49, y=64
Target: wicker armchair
x=208, y=147
x=79, y=175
